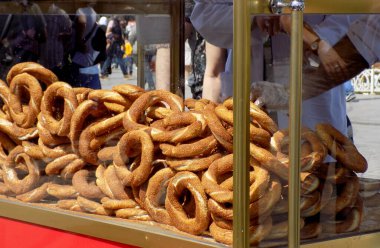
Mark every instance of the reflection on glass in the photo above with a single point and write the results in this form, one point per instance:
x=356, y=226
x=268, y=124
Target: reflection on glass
x=69, y=146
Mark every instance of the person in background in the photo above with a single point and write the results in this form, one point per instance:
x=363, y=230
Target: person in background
x=214, y=21
x=197, y=45
x=59, y=30
x=115, y=49
x=85, y=58
x=127, y=57
x=215, y=65
x=349, y=90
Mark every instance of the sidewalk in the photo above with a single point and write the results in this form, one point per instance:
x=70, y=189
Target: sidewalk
x=364, y=113
x=117, y=78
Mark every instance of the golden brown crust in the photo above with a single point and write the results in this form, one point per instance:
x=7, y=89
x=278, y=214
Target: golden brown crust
x=63, y=91
x=341, y=148
x=177, y=185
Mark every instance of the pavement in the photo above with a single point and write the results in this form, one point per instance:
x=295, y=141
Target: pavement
x=117, y=78
x=364, y=113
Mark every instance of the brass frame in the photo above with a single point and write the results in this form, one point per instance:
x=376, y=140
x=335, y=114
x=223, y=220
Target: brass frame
x=241, y=76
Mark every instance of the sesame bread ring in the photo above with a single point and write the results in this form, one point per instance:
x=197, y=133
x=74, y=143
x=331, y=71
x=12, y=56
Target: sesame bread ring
x=269, y=161
x=218, y=130
x=311, y=161
x=306, y=202
x=34, y=195
x=33, y=150
x=4, y=93
x=108, y=139
x=311, y=230
x=6, y=144
x=139, y=193
x=4, y=190
x=117, y=204
x=141, y=141
x=62, y=191
x=81, y=114
x=194, y=164
x=132, y=92
x=16, y=132
x=11, y=180
x=104, y=126
x=197, y=104
x=191, y=125
x=34, y=69
x=55, y=152
x=346, y=195
x=341, y=148
x=259, y=180
x=259, y=116
x=256, y=233
x=200, y=147
x=326, y=191
x=58, y=123
x=146, y=100
x=348, y=220
x=199, y=221
x=155, y=192
x=81, y=93
x=105, y=155
x=109, y=183
x=133, y=214
x=228, y=224
x=257, y=135
x=84, y=182
x=333, y=173
x=309, y=183
x=158, y=112
x=70, y=204
x=57, y=165
x=257, y=208
x=92, y=207
x=47, y=137
x=87, y=154
x=109, y=96
x=24, y=86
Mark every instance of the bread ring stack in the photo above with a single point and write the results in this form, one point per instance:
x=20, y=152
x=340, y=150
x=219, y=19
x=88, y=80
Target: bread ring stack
x=152, y=156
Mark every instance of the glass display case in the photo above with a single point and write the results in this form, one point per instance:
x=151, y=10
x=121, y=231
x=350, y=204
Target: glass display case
x=100, y=135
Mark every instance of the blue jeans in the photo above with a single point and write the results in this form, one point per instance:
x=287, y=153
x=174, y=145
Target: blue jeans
x=348, y=88
x=107, y=63
x=89, y=81
x=128, y=61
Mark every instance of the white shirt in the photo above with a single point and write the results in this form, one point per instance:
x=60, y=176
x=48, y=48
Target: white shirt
x=213, y=19
x=364, y=33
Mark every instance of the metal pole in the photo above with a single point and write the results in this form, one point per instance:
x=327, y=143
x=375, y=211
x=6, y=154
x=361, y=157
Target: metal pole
x=140, y=65
x=177, y=48
x=241, y=84
x=295, y=109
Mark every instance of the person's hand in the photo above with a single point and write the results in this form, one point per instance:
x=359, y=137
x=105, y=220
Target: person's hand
x=268, y=24
x=331, y=61
x=272, y=96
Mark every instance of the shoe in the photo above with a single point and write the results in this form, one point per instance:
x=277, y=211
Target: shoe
x=351, y=96
x=103, y=76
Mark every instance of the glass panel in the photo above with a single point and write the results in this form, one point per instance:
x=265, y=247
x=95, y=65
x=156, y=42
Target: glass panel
x=339, y=50
x=68, y=146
